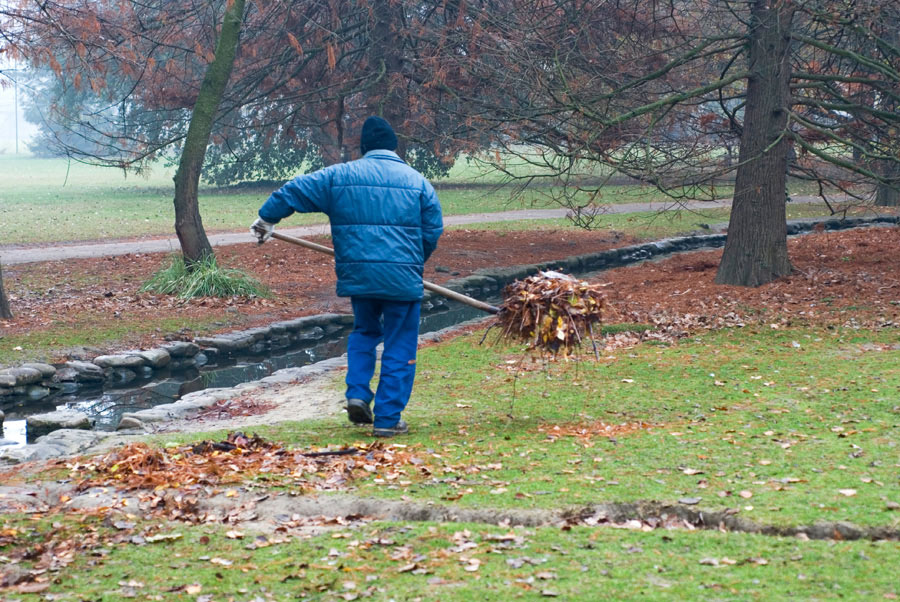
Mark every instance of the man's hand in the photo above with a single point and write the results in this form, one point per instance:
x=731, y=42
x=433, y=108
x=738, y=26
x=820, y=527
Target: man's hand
x=262, y=230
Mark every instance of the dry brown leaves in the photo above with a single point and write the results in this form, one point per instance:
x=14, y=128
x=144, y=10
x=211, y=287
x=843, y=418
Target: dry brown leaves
x=840, y=279
x=232, y=408
x=587, y=431
x=552, y=311
x=239, y=458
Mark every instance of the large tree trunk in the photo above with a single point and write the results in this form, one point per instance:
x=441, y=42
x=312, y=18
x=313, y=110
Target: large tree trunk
x=188, y=225
x=756, y=250
x=5, y=311
x=889, y=196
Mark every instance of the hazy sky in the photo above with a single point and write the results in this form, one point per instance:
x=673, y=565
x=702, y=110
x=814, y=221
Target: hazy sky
x=8, y=121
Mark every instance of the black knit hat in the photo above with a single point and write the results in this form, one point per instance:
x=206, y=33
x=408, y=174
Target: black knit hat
x=377, y=133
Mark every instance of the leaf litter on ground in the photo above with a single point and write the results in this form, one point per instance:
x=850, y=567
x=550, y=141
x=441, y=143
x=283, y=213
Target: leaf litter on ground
x=170, y=481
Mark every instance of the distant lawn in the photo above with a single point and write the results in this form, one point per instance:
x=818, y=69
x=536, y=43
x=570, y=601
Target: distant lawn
x=647, y=224
x=52, y=200
x=48, y=200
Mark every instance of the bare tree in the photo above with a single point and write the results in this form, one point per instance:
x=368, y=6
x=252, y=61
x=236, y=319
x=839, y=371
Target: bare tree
x=188, y=224
x=659, y=91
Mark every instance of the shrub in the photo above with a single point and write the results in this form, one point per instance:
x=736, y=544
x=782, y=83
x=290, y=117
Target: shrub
x=204, y=278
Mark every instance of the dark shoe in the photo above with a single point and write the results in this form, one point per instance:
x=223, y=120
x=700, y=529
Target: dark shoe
x=359, y=412
x=401, y=428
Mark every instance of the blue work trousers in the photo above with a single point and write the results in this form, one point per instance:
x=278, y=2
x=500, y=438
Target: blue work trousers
x=397, y=324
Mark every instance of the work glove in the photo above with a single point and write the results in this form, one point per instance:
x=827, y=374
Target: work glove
x=262, y=230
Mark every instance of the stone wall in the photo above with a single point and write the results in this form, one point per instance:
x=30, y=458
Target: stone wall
x=36, y=381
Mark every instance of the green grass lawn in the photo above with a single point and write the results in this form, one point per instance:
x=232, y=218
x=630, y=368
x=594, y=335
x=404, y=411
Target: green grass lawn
x=647, y=224
x=463, y=562
x=783, y=426
x=51, y=200
x=61, y=337
x=780, y=425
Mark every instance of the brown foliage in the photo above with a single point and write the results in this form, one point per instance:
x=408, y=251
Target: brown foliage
x=235, y=459
x=553, y=311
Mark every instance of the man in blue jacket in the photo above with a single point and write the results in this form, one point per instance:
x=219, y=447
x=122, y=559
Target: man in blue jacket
x=385, y=223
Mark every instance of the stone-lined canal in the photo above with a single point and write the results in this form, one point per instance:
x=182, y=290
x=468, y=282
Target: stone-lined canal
x=110, y=386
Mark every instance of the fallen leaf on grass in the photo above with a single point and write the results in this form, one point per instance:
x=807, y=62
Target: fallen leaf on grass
x=757, y=560
x=162, y=537
x=746, y=494
x=717, y=561
x=407, y=567
x=847, y=492
x=690, y=501
x=32, y=588
x=501, y=537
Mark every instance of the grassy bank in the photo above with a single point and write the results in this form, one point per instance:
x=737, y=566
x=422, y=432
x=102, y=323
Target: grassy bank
x=781, y=426
x=786, y=427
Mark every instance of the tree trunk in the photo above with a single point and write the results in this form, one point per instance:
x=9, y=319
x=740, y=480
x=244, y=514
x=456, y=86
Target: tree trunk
x=756, y=249
x=5, y=311
x=330, y=136
x=188, y=225
x=387, y=57
x=888, y=195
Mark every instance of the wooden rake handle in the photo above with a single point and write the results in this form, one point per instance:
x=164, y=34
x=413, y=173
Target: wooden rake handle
x=440, y=290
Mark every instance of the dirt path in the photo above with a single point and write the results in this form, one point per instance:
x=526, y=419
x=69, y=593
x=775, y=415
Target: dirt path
x=16, y=254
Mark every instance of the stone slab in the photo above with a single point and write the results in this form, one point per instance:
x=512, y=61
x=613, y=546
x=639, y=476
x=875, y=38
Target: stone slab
x=130, y=361
x=37, y=425
x=157, y=358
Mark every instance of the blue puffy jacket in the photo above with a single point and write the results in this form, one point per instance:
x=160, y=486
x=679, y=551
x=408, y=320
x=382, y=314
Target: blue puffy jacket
x=385, y=222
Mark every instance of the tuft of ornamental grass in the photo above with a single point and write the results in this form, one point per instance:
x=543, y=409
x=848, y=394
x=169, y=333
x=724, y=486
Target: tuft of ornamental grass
x=204, y=278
